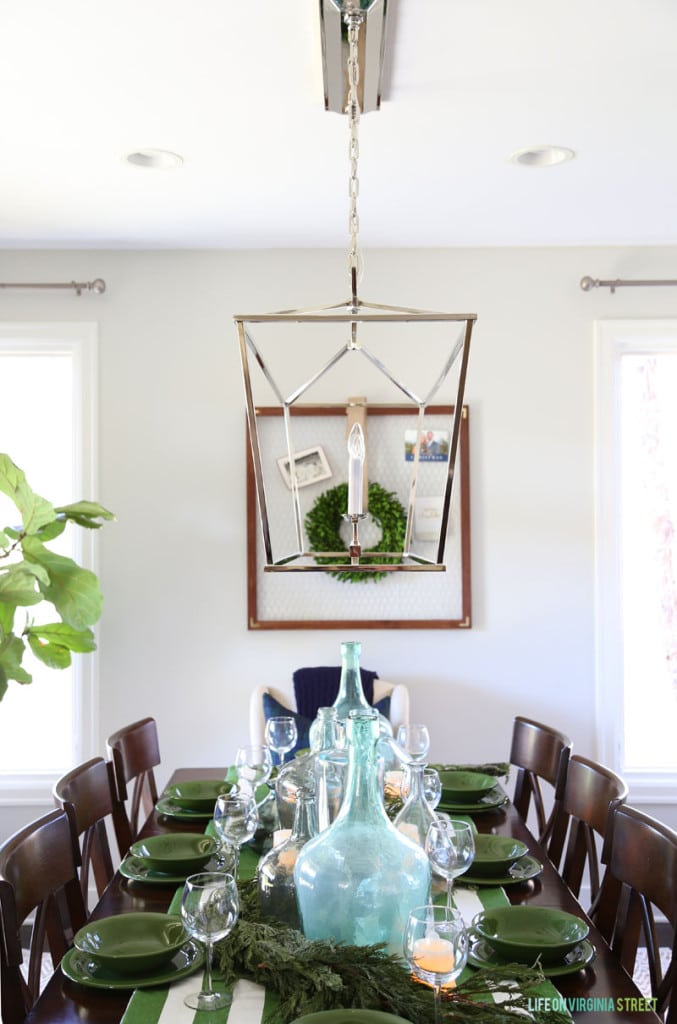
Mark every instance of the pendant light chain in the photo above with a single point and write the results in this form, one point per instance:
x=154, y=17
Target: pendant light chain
x=353, y=21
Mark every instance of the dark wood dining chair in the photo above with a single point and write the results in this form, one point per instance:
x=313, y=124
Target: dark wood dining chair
x=640, y=878
x=134, y=752
x=38, y=872
x=89, y=790
x=540, y=753
x=585, y=811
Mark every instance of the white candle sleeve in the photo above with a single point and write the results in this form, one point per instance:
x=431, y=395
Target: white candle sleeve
x=356, y=452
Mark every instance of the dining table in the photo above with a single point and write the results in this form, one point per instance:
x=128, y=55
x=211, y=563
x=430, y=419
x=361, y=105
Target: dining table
x=601, y=991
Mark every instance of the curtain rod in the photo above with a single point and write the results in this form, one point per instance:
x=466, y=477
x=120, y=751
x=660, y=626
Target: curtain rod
x=98, y=285
x=593, y=282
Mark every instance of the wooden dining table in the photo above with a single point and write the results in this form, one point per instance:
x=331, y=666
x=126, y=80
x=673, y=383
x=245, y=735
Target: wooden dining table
x=64, y=1002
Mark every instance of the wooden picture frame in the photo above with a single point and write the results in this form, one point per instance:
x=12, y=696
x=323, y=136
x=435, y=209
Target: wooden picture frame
x=437, y=600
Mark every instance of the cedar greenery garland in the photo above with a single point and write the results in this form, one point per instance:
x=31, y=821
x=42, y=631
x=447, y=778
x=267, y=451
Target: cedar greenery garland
x=309, y=976
x=324, y=519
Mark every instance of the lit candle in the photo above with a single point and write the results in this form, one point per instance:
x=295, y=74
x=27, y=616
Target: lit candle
x=434, y=955
x=356, y=453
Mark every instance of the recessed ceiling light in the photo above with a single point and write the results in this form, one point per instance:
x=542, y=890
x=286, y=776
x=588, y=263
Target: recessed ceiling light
x=156, y=158
x=542, y=156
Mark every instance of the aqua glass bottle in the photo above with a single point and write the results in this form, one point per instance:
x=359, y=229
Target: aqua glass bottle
x=275, y=874
x=379, y=873
x=417, y=815
x=351, y=695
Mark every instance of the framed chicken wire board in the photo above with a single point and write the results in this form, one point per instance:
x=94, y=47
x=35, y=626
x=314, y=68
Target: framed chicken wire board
x=314, y=600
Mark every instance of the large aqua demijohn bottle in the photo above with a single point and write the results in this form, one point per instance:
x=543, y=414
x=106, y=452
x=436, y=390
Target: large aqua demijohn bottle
x=357, y=881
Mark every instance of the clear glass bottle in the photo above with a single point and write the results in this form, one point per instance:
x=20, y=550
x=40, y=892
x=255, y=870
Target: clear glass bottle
x=380, y=874
x=417, y=815
x=302, y=771
x=275, y=875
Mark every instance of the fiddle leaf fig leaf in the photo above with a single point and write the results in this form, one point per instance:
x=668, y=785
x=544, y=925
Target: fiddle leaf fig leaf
x=18, y=584
x=84, y=513
x=51, y=530
x=73, y=591
x=35, y=511
x=51, y=655
x=62, y=635
x=11, y=652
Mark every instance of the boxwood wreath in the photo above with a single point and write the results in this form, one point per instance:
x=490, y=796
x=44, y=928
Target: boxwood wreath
x=324, y=519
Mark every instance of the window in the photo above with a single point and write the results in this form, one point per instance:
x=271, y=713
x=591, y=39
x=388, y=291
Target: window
x=47, y=428
x=637, y=551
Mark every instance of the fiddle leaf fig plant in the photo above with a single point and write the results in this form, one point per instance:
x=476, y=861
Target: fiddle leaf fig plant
x=31, y=573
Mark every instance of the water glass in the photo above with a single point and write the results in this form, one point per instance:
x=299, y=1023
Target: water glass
x=414, y=738
x=281, y=734
x=450, y=845
x=432, y=787
x=235, y=821
x=209, y=909
x=254, y=764
x=436, y=946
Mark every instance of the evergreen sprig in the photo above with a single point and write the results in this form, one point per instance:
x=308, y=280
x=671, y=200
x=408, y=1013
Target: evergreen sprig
x=313, y=975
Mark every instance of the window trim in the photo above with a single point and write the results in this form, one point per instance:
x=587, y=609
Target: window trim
x=79, y=339
x=613, y=339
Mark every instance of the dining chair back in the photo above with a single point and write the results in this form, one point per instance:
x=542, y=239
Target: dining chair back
x=640, y=879
x=89, y=790
x=584, y=813
x=38, y=873
x=539, y=753
x=134, y=752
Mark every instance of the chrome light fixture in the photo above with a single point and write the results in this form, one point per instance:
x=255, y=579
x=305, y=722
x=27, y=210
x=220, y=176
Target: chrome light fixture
x=352, y=350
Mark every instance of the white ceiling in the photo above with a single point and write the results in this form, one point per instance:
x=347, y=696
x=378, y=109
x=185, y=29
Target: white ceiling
x=235, y=86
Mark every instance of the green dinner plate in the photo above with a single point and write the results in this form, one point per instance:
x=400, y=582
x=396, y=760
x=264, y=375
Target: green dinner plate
x=465, y=787
x=169, y=809
x=136, y=870
x=350, y=1017
x=521, y=871
x=524, y=933
x=495, y=854
x=175, y=852
x=197, y=794
x=133, y=943
x=481, y=954
x=491, y=801
x=80, y=968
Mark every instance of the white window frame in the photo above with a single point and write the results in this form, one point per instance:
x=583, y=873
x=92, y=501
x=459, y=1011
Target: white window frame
x=80, y=340
x=613, y=339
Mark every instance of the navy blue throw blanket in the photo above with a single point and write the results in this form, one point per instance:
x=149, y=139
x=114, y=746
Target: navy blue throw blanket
x=318, y=687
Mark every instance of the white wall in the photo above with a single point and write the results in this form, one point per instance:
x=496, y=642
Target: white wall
x=173, y=638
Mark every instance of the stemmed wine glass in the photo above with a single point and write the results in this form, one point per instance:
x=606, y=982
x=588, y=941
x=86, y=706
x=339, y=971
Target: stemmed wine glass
x=450, y=845
x=209, y=908
x=235, y=821
x=254, y=764
x=436, y=946
x=414, y=738
x=281, y=734
x=432, y=786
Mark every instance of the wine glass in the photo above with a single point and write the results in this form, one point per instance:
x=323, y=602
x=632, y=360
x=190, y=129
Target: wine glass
x=235, y=820
x=432, y=787
x=414, y=738
x=209, y=908
x=254, y=764
x=450, y=845
x=436, y=946
x=281, y=734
